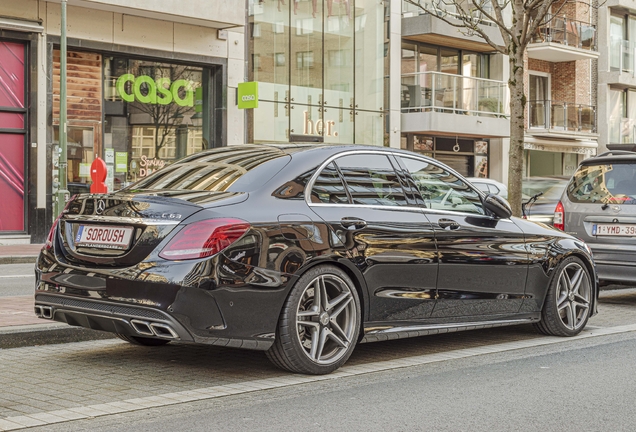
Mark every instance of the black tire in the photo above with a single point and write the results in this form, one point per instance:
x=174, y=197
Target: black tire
x=328, y=333
x=136, y=340
x=567, y=308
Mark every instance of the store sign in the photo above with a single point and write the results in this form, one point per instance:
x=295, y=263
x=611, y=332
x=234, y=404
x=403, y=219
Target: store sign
x=248, y=95
x=160, y=91
x=319, y=127
x=149, y=165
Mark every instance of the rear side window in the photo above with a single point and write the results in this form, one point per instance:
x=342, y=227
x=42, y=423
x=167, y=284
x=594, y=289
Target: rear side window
x=610, y=183
x=232, y=169
x=441, y=189
x=328, y=187
x=371, y=180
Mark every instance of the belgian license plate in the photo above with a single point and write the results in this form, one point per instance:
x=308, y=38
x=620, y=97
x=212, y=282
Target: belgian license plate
x=614, y=229
x=105, y=237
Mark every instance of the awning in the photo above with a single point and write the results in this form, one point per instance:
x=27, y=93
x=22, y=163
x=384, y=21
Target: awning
x=20, y=25
x=587, y=147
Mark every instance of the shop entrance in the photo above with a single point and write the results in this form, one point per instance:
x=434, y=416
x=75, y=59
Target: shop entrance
x=13, y=128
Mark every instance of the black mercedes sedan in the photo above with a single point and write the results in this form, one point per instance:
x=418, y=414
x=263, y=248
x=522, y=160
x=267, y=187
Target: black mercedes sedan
x=303, y=251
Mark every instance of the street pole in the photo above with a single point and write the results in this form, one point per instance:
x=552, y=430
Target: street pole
x=62, y=192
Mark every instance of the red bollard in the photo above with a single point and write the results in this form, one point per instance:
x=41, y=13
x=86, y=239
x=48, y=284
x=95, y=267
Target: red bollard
x=98, y=174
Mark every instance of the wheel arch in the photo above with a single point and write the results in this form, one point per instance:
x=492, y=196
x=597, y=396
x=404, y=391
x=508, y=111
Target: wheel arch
x=354, y=274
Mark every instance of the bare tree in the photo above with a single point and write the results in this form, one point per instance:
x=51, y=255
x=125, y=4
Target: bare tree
x=517, y=30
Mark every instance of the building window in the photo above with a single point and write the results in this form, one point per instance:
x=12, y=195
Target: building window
x=304, y=59
x=279, y=59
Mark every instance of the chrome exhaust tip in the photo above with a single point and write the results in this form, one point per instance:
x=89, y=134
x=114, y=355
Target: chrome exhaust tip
x=47, y=312
x=142, y=327
x=164, y=331
x=38, y=311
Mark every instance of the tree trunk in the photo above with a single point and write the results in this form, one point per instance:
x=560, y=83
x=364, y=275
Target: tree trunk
x=517, y=129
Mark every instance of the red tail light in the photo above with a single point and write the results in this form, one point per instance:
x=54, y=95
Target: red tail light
x=204, y=238
x=559, y=217
x=49, y=239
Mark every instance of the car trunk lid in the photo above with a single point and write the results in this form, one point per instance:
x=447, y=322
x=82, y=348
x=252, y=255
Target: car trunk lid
x=123, y=228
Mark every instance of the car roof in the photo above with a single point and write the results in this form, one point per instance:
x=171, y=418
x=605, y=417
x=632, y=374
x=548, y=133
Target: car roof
x=614, y=156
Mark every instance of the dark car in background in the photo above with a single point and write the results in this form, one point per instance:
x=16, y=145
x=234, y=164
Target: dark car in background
x=304, y=251
x=599, y=206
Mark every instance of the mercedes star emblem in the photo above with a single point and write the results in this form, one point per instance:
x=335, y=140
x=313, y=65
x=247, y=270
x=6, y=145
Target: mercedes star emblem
x=101, y=206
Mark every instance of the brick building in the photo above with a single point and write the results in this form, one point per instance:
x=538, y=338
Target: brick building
x=561, y=127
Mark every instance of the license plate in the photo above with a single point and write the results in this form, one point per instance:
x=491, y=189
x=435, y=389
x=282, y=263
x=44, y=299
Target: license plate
x=614, y=230
x=105, y=237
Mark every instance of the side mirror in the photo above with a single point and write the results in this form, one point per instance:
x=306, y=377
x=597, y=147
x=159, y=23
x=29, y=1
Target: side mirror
x=497, y=205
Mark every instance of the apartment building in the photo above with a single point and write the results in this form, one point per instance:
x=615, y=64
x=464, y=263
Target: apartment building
x=148, y=82
x=617, y=75
x=562, y=118
x=453, y=93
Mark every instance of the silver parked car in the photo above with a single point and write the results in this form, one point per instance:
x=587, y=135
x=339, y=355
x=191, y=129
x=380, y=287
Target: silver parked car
x=489, y=186
x=599, y=207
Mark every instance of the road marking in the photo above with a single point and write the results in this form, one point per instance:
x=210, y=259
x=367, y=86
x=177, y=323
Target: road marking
x=129, y=405
x=17, y=276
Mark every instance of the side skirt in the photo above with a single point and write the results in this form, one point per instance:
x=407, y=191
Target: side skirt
x=377, y=334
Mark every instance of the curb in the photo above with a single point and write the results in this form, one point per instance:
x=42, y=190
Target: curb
x=47, y=334
x=25, y=259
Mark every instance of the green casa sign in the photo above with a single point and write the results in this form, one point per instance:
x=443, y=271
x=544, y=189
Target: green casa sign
x=248, y=95
x=160, y=91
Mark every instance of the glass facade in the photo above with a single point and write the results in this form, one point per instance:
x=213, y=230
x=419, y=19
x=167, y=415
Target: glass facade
x=320, y=68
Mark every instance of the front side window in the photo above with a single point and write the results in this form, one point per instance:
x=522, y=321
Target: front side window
x=611, y=183
x=442, y=190
x=371, y=180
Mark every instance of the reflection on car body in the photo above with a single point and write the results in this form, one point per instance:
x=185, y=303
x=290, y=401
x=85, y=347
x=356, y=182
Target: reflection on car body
x=305, y=250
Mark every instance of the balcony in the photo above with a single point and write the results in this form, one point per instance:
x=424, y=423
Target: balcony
x=561, y=120
x=561, y=39
x=436, y=102
x=420, y=26
x=620, y=67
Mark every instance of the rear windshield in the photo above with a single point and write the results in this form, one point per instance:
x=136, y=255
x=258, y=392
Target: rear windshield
x=232, y=169
x=610, y=183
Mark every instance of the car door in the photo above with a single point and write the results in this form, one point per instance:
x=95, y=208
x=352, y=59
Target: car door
x=377, y=227
x=483, y=262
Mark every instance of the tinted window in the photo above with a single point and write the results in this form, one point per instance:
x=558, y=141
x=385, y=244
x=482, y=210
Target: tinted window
x=234, y=169
x=371, y=180
x=328, y=187
x=612, y=183
x=442, y=190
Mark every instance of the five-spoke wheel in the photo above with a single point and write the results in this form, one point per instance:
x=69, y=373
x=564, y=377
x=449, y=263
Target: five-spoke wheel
x=567, y=305
x=320, y=323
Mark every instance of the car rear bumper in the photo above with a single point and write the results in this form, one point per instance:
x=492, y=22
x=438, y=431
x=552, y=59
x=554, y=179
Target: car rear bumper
x=234, y=305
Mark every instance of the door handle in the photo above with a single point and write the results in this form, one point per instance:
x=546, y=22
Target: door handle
x=448, y=224
x=352, y=223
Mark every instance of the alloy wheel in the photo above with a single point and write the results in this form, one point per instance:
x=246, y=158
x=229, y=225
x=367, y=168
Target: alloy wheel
x=573, y=296
x=326, y=319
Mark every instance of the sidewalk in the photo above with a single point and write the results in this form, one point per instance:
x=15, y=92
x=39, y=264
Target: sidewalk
x=19, y=254
x=18, y=324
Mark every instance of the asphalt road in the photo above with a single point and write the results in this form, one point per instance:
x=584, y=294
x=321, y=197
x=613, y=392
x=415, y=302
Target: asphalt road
x=16, y=279
x=579, y=385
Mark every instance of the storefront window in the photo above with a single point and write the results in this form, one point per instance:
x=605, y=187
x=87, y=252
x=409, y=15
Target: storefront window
x=154, y=115
x=466, y=156
x=137, y=115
